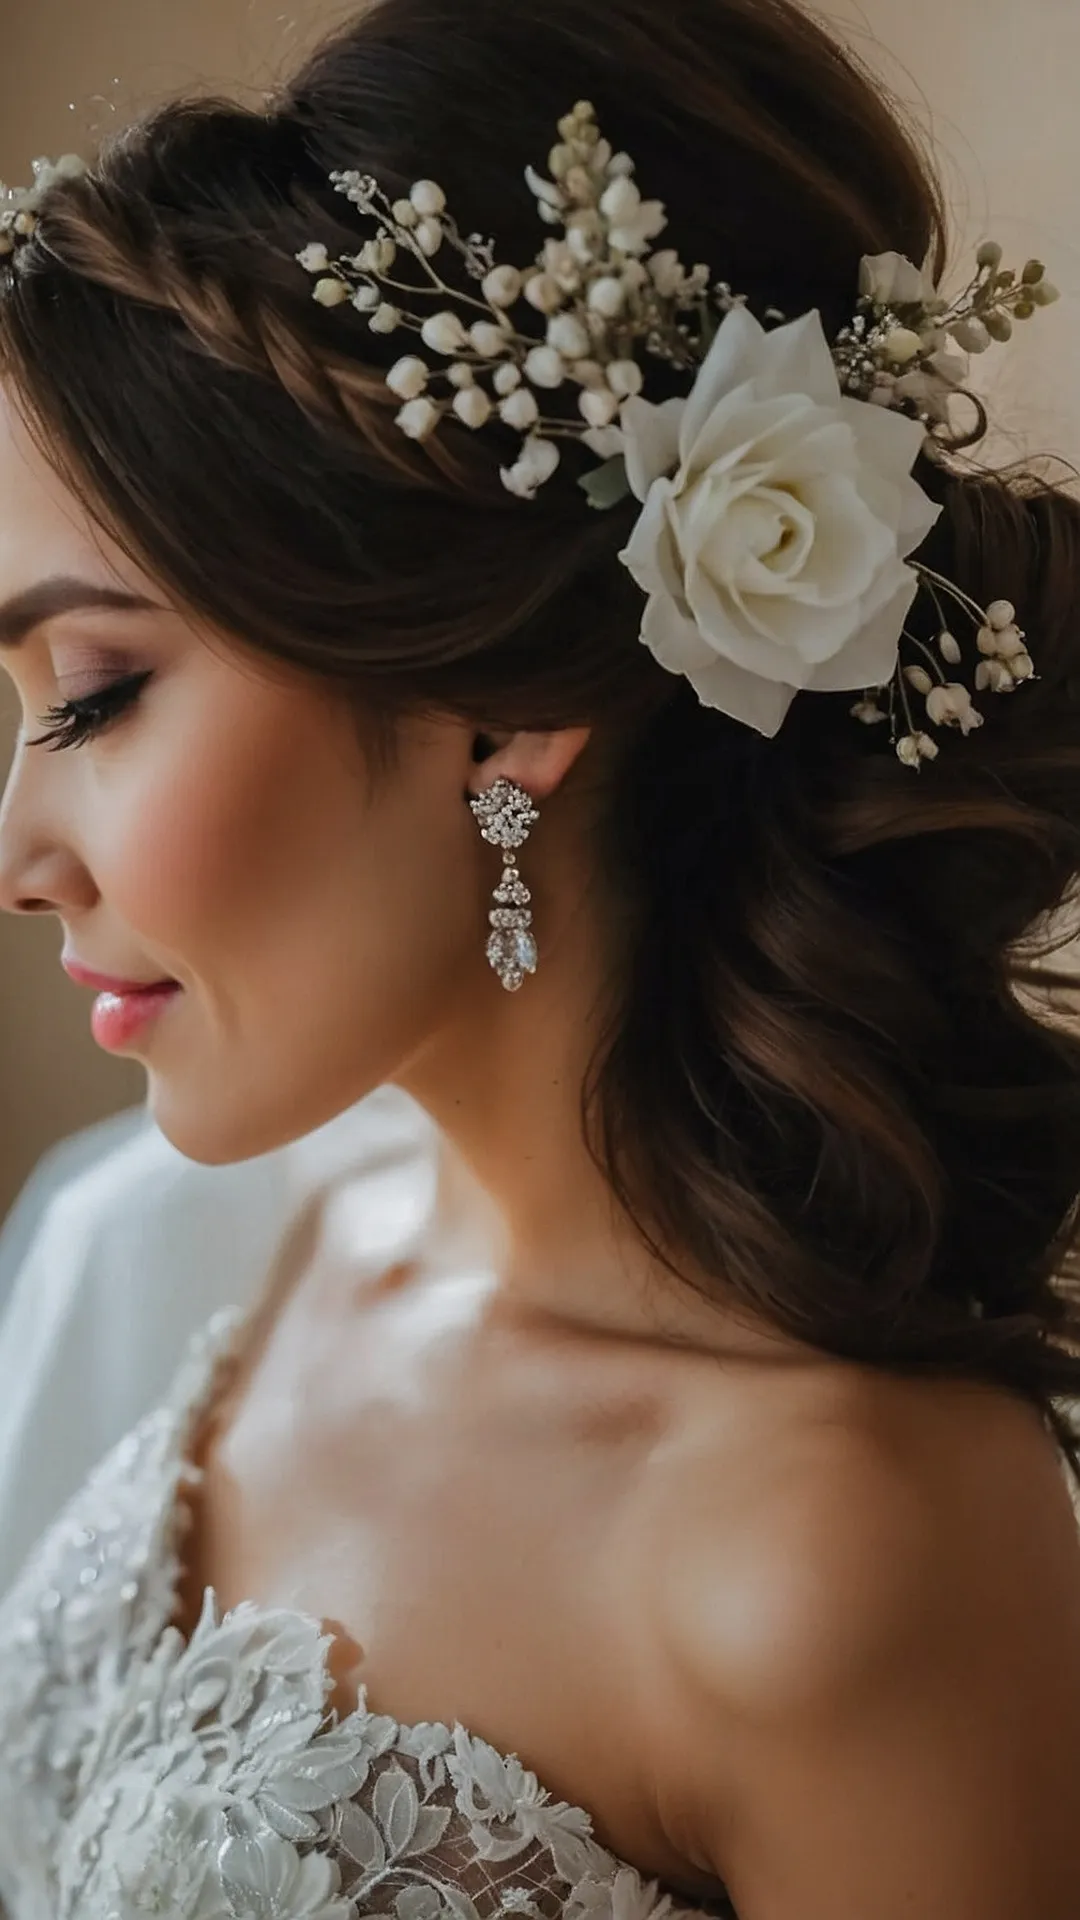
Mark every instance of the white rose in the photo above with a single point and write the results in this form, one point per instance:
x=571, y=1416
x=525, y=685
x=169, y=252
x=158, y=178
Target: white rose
x=777, y=511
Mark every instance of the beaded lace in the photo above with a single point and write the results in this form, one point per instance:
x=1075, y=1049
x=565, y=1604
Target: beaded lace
x=206, y=1779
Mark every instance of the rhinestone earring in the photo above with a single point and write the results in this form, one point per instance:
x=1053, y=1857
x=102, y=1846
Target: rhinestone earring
x=505, y=814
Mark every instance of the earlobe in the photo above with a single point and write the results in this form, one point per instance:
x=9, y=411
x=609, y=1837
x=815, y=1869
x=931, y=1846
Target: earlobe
x=539, y=762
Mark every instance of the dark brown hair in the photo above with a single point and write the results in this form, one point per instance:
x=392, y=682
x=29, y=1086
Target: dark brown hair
x=828, y=1083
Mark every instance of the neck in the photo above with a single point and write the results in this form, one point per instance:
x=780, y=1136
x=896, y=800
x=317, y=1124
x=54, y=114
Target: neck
x=504, y=1086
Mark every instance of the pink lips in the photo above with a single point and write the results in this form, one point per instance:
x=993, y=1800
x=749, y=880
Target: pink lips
x=123, y=1008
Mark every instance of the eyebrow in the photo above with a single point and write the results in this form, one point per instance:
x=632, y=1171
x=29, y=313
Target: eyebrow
x=63, y=593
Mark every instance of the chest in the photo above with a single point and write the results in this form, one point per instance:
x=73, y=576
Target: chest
x=471, y=1520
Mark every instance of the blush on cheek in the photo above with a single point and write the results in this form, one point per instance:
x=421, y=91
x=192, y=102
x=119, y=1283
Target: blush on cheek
x=228, y=819
x=187, y=871
x=163, y=878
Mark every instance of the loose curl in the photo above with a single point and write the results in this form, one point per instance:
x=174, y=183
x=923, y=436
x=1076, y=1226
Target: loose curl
x=835, y=1079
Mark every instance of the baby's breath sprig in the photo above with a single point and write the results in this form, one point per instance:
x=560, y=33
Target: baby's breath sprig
x=598, y=290
x=896, y=351
x=19, y=205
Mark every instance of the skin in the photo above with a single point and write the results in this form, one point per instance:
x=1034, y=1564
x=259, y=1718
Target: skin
x=774, y=1619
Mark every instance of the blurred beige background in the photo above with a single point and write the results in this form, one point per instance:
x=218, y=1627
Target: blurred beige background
x=992, y=82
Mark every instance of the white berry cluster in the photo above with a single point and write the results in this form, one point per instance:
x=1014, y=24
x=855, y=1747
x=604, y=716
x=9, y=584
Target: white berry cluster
x=597, y=288
x=898, y=354
x=19, y=205
x=1005, y=663
x=1006, y=659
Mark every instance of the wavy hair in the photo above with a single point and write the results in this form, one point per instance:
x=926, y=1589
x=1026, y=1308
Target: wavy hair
x=835, y=1079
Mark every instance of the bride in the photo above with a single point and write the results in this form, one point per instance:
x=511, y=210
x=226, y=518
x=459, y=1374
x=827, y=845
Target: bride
x=517, y=489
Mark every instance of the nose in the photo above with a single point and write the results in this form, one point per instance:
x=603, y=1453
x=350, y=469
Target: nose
x=38, y=872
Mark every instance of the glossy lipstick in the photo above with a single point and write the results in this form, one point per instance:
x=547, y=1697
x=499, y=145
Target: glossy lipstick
x=123, y=1008
x=116, y=1018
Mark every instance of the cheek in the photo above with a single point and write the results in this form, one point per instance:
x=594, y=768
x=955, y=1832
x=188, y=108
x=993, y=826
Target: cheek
x=240, y=841
x=195, y=830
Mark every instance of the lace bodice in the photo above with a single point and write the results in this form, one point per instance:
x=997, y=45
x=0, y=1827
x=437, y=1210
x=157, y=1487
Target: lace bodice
x=206, y=1780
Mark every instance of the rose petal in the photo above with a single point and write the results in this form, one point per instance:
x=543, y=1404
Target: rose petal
x=810, y=472
x=742, y=628
x=852, y=543
x=650, y=553
x=732, y=360
x=870, y=659
x=825, y=445
x=887, y=453
x=792, y=531
x=797, y=358
x=918, y=514
x=804, y=633
x=744, y=427
x=849, y=549
x=729, y=545
x=761, y=704
x=651, y=440
x=792, y=360
x=780, y=639
x=675, y=638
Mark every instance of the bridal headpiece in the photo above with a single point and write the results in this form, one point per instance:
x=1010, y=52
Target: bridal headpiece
x=779, y=511
x=778, y=506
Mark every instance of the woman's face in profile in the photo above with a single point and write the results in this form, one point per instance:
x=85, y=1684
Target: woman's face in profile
x=223, y=829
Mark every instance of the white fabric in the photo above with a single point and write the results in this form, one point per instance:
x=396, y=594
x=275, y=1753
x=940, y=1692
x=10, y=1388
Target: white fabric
x=207, y=1781
x=128, y=1260
x=58, y=1166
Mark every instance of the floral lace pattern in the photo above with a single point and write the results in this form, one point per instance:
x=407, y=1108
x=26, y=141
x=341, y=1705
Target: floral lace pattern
x=206, y=1780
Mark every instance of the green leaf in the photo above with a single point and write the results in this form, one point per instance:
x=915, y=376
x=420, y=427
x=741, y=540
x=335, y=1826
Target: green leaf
x=605, y=486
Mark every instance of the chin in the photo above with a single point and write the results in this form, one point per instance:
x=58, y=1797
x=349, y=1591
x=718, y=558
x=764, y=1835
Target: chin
x=215, y=1132
x=211, y=1143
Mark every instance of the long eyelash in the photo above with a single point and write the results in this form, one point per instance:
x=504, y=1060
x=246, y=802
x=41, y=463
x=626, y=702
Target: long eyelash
x=74, y=722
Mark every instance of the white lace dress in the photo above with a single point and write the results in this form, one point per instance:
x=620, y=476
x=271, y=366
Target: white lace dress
x=205, y=1780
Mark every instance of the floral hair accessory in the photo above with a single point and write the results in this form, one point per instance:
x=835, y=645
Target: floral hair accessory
x=779, y=511
x=19, y=205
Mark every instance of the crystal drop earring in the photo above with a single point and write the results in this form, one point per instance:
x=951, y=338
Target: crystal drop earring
x=505, y=814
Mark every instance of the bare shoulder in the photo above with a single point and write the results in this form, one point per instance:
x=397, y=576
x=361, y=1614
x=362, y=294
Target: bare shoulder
x=881, y=1607
x=878, y=1506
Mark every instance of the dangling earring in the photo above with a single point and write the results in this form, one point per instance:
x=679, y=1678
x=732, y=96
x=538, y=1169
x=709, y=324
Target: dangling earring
x=505, y=814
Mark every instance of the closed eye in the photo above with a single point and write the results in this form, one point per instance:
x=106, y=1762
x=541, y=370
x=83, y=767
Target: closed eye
x=74, y=722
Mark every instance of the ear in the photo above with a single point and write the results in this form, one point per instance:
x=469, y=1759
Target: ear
x=539, y=762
